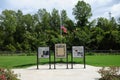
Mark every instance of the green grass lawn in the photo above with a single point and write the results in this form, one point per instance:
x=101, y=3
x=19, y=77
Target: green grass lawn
x=106, y=60
x=17, y=61
x=25, y=61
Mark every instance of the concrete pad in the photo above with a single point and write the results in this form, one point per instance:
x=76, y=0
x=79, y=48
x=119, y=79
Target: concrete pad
x=60, y=73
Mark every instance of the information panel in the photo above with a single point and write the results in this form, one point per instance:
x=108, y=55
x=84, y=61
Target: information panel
x=78, y=51
x=60, y=50
x=43, y=52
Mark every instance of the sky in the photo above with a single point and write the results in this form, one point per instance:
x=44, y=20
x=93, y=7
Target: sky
x=100, y=8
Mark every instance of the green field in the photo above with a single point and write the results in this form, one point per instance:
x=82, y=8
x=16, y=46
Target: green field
x=26, y=61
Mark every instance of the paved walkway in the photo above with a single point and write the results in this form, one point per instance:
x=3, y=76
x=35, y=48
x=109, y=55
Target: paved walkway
x=60, y=73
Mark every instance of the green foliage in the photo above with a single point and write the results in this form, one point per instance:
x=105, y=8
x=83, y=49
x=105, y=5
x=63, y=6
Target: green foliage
x=55, y=20
x=10, y=47
x=26, y=32
x=110, y=73
x=90, y=53
x=96, y=37
x=82, y=12
x=7, y=74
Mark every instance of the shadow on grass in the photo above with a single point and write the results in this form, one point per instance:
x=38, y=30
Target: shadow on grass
x=60, y=62
x=43, y=63
x=24, y=65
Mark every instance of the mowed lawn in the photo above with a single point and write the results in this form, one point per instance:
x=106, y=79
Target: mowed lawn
x=17, y=61
x=106, y=60
x=26, y=61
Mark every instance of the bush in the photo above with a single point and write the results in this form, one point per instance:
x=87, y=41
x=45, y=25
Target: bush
x=7, y=74
x=10, y=47
x=90, y=53
x=110, y=73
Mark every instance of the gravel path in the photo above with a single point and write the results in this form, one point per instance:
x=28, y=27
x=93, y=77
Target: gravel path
x=60, y=73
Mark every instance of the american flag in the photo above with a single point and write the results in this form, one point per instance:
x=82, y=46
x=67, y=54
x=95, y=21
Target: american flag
x=64, y=29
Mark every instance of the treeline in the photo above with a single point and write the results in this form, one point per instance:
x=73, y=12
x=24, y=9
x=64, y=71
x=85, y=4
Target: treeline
x=26, y=32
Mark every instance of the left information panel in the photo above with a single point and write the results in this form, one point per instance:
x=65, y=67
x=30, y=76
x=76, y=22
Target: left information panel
x=43, y=52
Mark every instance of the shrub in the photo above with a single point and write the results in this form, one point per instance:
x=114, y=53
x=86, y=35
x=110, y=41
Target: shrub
x=7, y=74
x=10, y=47
x=90, y=53
x=109, y=73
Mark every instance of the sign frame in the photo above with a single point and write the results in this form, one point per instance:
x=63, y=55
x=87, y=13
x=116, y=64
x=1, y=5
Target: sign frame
x=60, y=50
x=43, y=52
x=78, y=51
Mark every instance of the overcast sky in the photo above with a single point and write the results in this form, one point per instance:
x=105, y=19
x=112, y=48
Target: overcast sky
x=100, y=8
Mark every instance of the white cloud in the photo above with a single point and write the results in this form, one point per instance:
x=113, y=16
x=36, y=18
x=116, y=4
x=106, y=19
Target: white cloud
x=29, y=6
x=115, y=10
x=36, y=4
x=99, y=7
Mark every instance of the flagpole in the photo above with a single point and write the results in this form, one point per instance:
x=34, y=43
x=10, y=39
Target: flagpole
x=60, y=26
x=61, y=30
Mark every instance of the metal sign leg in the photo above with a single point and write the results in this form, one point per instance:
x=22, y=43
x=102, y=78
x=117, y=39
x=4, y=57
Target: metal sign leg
x=71, y=61
x=54, y=61
x=84, y=60
x=37, y=60
x=67, y=60
x=49, y=60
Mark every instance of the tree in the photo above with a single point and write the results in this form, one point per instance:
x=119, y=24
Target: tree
x=105, y=24
x=55, y=20
x=9, y=23
x=113, y=24
x=64, y=17
x=97, y=35
x=110, y=40
x=20, y=30
x=1, y=34
x=82, y=12
x=119, y=23
x=110, y=35
x=26, y=32
x=44, y=18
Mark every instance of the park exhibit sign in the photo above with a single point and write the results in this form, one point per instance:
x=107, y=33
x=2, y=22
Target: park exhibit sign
x=43, y=52
x=78, y=51
x=60, y=50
